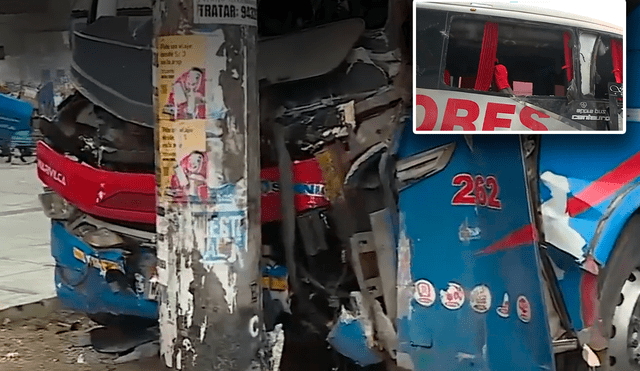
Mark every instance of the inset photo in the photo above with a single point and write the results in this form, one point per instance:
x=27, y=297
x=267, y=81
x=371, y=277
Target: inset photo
x=519, y=67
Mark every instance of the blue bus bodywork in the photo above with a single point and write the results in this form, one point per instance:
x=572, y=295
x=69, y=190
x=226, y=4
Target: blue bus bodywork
x=469, y=227
x=15, y=123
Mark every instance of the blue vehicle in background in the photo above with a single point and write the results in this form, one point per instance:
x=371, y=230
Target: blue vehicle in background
x=15, y=128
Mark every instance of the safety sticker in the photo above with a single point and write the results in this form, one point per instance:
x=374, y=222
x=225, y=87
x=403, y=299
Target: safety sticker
x=453, y=297
x=524, y=309
x=480, y=299
x=503, y=309
x=425, y=293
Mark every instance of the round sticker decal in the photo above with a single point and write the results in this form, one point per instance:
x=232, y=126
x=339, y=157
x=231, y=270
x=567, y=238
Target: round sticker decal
x=425, y=293
x=524, y=309
x=480, y=299
x=503, y=309
x=453, y=297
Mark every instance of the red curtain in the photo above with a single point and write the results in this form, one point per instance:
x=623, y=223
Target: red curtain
x=487, y=57
x=447, y=77
x=568, y=56
x=616, y=55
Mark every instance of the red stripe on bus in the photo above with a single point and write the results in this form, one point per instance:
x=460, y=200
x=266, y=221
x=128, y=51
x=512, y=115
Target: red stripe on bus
x=595, y=193
x=523, y=236
x=605, y=186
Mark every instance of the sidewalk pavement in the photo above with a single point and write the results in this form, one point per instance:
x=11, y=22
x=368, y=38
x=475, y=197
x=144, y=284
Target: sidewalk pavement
x=26, y=265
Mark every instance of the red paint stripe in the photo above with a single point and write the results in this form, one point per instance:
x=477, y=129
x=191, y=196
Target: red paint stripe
x=589, y=298
x=523, y=236
x=592, y=195
x=605, y=186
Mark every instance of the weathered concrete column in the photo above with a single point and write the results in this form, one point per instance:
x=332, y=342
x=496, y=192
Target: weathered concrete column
x=207, y=166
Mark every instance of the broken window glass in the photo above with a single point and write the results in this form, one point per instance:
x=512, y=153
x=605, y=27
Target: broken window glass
x=534, y=56
x=604, y=67
x=588, y=44
x=430, y=39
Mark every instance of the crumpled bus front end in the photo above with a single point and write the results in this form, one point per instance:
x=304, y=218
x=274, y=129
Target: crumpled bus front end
x=101, y=271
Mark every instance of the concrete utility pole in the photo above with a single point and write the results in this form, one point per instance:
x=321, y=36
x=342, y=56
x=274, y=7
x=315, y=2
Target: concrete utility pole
x=207, y=166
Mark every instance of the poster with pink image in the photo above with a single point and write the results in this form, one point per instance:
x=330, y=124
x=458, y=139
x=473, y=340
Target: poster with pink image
x=187, y=97
x=189, y=181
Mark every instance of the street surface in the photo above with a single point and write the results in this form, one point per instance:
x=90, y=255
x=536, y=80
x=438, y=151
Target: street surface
x=57, y=341
x=26, y=265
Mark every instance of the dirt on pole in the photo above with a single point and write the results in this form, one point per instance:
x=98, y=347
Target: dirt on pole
x=207, y=166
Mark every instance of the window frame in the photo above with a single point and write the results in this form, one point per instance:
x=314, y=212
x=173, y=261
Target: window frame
x=453, y=16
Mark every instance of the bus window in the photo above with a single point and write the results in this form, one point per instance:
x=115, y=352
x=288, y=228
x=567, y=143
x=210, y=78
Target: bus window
x=605, y=67
x=430, y=38
x=535, y=56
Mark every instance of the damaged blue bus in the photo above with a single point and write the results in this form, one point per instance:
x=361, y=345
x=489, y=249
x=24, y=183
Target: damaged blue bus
x=446, y=252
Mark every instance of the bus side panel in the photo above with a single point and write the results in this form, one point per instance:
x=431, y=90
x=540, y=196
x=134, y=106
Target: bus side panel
x=610, y=227
x=456, y=243
x=582, y=184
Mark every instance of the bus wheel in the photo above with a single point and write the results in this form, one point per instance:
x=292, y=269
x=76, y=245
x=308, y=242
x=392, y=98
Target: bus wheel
x=620, y=301
x=624, y=345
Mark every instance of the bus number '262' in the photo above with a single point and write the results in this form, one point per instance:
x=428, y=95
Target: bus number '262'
x=476, y=190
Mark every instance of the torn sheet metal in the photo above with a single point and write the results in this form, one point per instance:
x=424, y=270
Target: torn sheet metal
x=601, y=194
x=381, y=224
x=388, y=63
x=295, y=56
x=377, y=129
x=352, y=335
x=378, y=102
x=94, y=280
x=421, y=165
x=386, y=335
x=555, y=217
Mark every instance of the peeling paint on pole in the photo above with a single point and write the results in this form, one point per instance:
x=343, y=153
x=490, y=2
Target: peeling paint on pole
x=207, y=142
